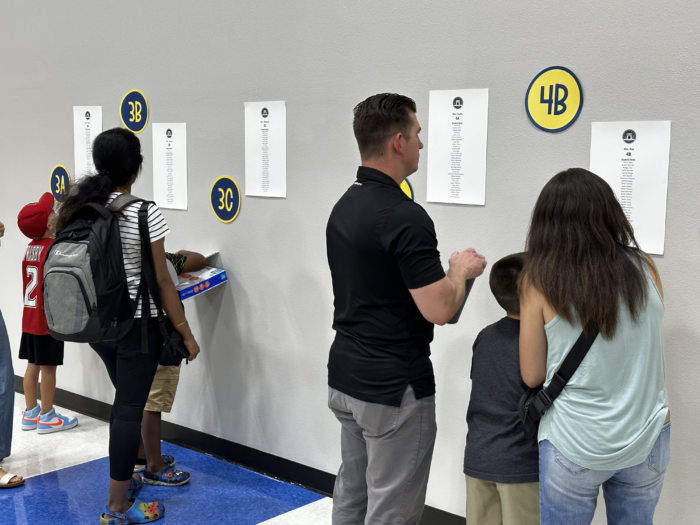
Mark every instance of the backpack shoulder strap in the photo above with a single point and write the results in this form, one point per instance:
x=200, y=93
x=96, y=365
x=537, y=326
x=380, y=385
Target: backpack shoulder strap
x=122, y=201
x=147, y=265
x=149, y=286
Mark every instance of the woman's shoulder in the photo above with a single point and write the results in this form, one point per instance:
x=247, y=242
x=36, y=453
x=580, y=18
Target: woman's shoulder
x=532, y=297
x=654, y=271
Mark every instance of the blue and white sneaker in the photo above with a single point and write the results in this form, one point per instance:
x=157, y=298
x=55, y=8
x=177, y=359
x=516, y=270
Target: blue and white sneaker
x=53, y=422
x=30, y=418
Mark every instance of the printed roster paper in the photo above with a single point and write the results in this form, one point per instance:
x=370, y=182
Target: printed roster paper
x=458, y=127
x=87, y=124
x=266, y=149
x=633, y=158
x=170, y=165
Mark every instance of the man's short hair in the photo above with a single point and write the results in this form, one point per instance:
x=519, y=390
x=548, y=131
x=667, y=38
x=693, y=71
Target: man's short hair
x=504, y=281
x=379, y=118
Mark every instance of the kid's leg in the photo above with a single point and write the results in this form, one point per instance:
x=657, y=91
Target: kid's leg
x=160, y=399
x=520, y=502
x=483, y=503
x=31, y=385
x=150, y=432
x=48, y=387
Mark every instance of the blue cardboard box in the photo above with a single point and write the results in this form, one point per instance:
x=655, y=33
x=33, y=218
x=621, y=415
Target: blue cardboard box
x=195, y=283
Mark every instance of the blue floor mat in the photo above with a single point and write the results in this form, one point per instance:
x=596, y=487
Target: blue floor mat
x=218, y=493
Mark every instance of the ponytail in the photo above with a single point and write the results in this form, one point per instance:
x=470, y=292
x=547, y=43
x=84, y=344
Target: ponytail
x=93, y=188
x=117, y=157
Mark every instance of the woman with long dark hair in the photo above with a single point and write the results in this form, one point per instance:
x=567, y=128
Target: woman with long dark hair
x=610, y=426
x=117, y=158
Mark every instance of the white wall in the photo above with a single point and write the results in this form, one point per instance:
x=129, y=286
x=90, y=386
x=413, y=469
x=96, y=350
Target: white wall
x=261, y=379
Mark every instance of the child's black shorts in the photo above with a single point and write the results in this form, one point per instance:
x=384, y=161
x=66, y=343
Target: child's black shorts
x=41, y=350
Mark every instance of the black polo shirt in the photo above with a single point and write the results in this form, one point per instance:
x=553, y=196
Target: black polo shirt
x=380, y=244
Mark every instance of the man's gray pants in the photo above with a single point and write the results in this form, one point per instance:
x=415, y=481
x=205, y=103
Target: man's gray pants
x=7, y=392
x=386, y=459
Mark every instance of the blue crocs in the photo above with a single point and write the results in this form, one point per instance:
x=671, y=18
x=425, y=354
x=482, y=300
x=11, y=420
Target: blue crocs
x=135, y=486
x=30, y=418
x=139, y=512
x=168, y=477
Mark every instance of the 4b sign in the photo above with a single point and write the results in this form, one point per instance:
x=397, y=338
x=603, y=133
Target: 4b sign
x=554, y=99
x=134, y=111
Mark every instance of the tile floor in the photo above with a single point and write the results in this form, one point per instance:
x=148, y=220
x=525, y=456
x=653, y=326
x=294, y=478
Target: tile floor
x=68, y=478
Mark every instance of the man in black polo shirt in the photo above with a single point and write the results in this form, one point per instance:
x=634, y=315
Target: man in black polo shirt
x=390, y=289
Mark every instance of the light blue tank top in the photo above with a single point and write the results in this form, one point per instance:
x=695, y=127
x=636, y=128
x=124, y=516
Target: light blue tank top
x=610, y=413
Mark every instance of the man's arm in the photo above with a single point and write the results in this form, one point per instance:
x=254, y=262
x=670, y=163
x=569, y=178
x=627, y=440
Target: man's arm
x=438, y=302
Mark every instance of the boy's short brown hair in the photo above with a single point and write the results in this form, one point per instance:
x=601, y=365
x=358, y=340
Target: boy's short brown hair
x=504, y=281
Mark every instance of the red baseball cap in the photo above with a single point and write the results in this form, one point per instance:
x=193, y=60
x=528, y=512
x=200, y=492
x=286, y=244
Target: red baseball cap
x=33, y=218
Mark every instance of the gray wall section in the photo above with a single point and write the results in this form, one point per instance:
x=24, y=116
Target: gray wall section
x=260, y=380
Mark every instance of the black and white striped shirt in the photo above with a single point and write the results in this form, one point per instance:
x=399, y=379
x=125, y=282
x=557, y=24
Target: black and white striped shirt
x=131, y=243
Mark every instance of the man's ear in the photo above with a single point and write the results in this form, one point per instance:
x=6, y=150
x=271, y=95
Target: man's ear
x=396, y=143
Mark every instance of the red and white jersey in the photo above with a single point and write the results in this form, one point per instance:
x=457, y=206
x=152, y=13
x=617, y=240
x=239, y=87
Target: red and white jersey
x=33, y=318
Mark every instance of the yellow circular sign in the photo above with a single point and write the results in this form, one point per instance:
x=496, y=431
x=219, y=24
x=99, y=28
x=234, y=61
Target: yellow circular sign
x=225, y=199
x=554, y=99
x=408, y=189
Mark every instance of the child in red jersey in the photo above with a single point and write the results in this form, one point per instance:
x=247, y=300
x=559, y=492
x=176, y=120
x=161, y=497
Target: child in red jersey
x=44, y=353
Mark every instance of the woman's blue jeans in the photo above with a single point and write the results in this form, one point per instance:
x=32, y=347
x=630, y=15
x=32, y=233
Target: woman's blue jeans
x=7, y=392
x=569, y=492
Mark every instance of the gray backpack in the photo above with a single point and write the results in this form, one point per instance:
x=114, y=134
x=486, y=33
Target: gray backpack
x=86, y=299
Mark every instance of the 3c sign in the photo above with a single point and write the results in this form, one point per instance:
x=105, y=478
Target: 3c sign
x=225, y=199
x=554, y=99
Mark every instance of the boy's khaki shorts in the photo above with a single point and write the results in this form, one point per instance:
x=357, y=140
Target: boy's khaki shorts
x=502, y=503
x=162, y=394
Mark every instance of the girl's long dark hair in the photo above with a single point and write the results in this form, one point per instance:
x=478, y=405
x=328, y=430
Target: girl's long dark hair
x=117, y=157
x=582, y=255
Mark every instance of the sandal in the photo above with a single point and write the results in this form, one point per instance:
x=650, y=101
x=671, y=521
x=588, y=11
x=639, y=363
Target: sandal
x=139, y=512
x=135, y=486
x=168, y=477
x=140, y=465
x=5, y=481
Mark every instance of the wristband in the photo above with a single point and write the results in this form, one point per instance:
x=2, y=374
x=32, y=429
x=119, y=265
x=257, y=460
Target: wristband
x=178, y=325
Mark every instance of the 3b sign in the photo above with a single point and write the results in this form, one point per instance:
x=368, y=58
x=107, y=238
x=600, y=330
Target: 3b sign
x=134, y=111
x=225, y=198
x=554, y=99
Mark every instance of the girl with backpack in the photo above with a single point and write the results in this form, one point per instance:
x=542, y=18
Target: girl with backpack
x=118, y=161
x=610, y=426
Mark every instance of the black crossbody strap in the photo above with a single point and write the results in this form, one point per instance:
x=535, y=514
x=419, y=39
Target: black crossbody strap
x=566, y=371
x=149, y=285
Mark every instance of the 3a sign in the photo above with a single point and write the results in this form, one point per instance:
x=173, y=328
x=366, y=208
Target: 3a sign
x=60, y=183
x=134, y=111
x=225, y=199
x=554, y=99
